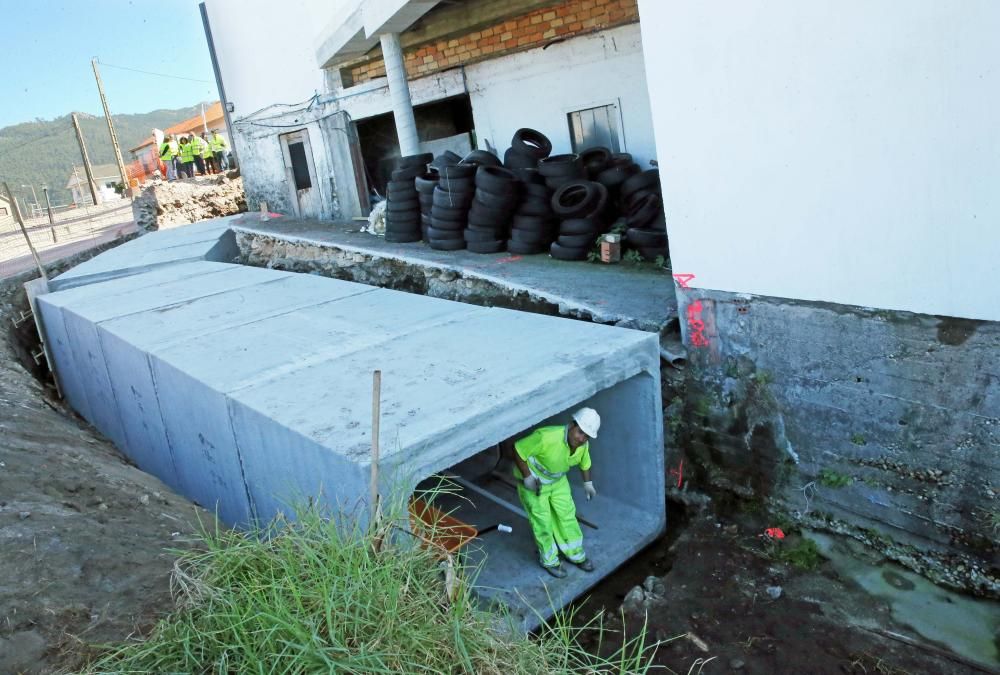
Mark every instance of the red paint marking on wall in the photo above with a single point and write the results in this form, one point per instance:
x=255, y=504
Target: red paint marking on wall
x=679, y=472
x=509, y=259
x=683, y=279
x=696, y=327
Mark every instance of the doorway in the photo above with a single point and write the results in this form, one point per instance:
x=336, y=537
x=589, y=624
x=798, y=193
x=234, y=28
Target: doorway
x=300, y=174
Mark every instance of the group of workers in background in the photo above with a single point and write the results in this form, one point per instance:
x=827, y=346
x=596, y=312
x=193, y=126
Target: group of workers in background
x=201, y=152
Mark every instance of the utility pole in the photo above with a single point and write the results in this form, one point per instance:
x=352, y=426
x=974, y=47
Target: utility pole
x=34, y=199
x=20, y=223
x=86, y=162
x=48, y=207
x=111, y=130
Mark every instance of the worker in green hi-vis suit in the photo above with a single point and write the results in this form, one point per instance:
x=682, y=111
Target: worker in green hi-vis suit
x=542, y=459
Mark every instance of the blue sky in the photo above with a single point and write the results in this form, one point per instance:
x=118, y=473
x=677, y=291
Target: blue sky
x=49, y=45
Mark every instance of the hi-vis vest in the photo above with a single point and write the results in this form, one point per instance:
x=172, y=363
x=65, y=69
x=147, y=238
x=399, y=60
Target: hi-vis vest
x=187, y=153
x=547, y=454
x=218, y=144
x=168, y=151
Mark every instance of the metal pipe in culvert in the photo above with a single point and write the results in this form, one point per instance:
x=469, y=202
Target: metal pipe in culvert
x=399, y=92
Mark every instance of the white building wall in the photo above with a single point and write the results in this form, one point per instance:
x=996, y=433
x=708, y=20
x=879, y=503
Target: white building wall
x=844, y=151
x=266, y=49
x=539, y=87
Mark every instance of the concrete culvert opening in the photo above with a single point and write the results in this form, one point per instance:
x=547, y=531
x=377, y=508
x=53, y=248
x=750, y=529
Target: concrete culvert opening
x=625, y=516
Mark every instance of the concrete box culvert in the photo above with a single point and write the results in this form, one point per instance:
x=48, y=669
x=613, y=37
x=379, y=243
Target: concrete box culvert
x=249, y=390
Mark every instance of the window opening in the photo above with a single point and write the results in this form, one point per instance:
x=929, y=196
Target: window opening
x=300, y=167
x=595, y=127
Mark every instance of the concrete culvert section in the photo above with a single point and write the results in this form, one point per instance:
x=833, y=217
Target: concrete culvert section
x=249, y=390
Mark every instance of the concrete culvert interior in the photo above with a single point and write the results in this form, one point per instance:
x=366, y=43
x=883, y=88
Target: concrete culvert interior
x=624, y=517
x=249, y=390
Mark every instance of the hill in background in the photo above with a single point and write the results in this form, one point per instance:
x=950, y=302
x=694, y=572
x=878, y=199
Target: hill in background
x=44, y=152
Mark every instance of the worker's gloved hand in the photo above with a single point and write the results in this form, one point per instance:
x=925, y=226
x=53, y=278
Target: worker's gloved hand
x=532, y=483
x=588, y=487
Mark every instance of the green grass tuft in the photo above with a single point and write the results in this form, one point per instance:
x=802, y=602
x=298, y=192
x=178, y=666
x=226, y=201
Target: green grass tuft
x=832, y=479
x=308, y=597
x=804, y=555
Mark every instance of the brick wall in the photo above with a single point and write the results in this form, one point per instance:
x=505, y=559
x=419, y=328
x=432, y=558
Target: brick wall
x=569, y=19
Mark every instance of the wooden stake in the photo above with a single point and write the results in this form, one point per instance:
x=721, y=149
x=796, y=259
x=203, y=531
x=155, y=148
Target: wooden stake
x=373, y=498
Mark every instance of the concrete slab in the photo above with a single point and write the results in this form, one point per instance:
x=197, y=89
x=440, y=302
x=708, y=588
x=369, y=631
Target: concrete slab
x=206, y=240
x=635, y=296
x=250, y=389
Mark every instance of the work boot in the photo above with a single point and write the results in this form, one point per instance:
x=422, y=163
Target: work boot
x=557, y=571
x=586, y=565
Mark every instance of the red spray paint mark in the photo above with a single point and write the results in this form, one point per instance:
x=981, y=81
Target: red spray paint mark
x=683, y=279
x=695, y=325
x=509, y=259
x=774, y=533
x=274, y=215
x=679, y=472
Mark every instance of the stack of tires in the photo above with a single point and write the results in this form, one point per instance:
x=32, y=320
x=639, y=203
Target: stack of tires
x=642, y=199
x=492, y=208
x=425, y=184
x=533, y=228
x=527, y=148
x=450, y=201
x=558, y=170
x=580, y=206
x=402, y=214
x=612, y=175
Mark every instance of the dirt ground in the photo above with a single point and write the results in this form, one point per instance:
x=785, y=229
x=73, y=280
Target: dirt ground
x=85, y=541
x=712, y=609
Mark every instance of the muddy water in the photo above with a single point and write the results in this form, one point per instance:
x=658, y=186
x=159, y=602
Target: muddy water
x=967, y=626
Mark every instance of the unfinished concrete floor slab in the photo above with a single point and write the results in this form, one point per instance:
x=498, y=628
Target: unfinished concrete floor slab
x=628, y=295
x=249, y=391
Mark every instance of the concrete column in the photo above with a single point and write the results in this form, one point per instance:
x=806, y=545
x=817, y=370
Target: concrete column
x=399, y=90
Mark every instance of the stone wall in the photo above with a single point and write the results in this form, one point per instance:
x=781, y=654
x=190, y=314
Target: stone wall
x=882, y=424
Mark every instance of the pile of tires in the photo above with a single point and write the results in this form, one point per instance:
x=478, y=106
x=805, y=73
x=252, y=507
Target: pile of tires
x=580, y=206
x=558, y=170
x=527, y=148
x=450, y=201
x=496, y=198
x=642, y=199
x=533, y=227
x=402, y=211
x=425, y=184
x=611, y=171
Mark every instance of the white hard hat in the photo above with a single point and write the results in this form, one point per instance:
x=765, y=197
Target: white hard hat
x=588, y=420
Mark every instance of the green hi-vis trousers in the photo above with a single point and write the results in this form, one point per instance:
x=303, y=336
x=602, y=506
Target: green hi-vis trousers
x=552, y=514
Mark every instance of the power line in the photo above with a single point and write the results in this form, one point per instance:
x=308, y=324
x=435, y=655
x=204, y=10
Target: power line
x=148, y=72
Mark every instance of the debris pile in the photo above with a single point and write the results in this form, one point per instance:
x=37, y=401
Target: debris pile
x=180, y=202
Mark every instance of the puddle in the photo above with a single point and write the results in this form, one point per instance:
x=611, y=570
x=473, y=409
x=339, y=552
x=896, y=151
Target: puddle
x=967, y=626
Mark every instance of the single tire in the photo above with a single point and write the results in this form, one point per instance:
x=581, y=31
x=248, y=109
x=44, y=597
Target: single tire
x=529, y=176
x=577, y=240
x=580, y=226
x=406, y=237
x=458, y=171
x=515, y=161
x=557, y=182
x=442, y=224
x=452, y=200
x=400, y=186
x=614, y=176
x=621, y=159
x=421, y=160
x=652, y=253
x=425, y=220
x=595, y=160
x=447, y=244
x=446, y=158
x=523, y=248
x=456, y=184
x=458, y=214
x=560, y=252
x=648, y=180
x=644, y=211
x=535, y=207
x=534, y=223
x=409, y=173
x=437, y=233
x=496, y=179
x=530, y=236
x=487, y=246
x=426, y=200
x=398, y=195
x=561, y=166
x=403, y=225
x=539, y=190
x=532, y=143
x=646, y=238
x=403, y=206
x=488, y=214
x=476, y=234
x=481, y=158
x=506, y=203
x=578, y=199
x=426, y=182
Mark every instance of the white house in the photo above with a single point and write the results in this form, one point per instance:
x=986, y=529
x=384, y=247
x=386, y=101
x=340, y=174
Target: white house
x=106, y=177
